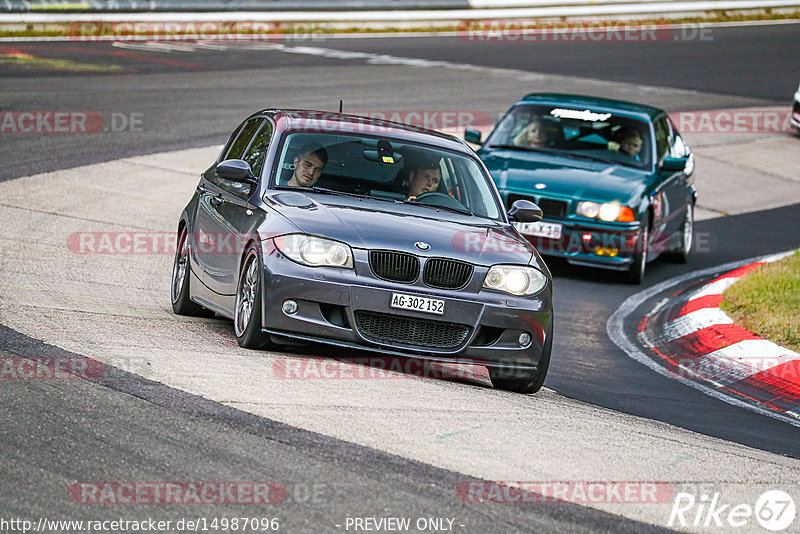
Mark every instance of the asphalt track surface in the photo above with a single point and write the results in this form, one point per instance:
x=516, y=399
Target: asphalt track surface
x=125, y=427
x=196, y=97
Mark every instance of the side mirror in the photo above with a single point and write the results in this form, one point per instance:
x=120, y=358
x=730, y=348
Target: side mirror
x=525, y=211
x=472, y=136
x=674, y=164
x=236, y=170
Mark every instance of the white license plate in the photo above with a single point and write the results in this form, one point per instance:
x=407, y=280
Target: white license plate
x=539, y=229
x=413, y=302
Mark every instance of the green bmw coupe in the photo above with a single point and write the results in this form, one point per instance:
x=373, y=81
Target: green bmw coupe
x=613, y=179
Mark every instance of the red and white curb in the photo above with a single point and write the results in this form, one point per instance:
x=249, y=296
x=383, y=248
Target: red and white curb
x=687, y=337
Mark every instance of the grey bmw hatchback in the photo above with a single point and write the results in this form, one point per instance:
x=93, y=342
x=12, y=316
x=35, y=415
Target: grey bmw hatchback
x=360, y=233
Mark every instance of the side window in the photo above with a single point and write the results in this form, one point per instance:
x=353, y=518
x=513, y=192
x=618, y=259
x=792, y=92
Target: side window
x=679, y=148
x=258, y=149
x=243, y=139
x=231, y=139
x=662, y=138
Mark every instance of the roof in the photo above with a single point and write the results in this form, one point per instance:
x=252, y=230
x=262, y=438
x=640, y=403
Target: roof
x=594, y=103
x=333, y=122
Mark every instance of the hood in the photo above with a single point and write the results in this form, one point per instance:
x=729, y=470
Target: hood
x=379, y=225
x=563, y=177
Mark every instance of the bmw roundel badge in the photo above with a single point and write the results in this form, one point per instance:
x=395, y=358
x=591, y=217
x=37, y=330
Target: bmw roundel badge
x=422, y=245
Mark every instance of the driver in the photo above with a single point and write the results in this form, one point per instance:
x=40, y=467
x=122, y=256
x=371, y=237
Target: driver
x=424, y=178
x=534, y=135
x=628, y=141
x=308, y=165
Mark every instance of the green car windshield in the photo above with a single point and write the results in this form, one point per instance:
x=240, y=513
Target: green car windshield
x=388, y=169
x=577, y=133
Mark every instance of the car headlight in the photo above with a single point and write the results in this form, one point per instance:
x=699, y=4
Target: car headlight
x=515, y=279
x=315, y=251
x=609, y=211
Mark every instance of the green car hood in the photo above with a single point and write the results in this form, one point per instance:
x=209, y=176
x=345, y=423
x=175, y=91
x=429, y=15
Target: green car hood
x=518, y=173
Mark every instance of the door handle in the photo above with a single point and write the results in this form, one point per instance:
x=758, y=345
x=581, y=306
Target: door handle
x=217, y=200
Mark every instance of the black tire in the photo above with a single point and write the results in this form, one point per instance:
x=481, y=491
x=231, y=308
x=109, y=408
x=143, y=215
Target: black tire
x=520, y=381
x=681, y=255
x=636, y=273
x=247, y=313
x=181, y=279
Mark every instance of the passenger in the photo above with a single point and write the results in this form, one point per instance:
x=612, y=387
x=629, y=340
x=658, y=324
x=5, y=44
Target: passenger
x=628, y=141
x=533, y=135
x=308, y=165
x=424, y=178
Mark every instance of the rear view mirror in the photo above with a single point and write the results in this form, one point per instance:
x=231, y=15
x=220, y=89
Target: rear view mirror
x=472, y=136
x=377, y=157
x=525, y=211
x=674, y=164
x=236, y=170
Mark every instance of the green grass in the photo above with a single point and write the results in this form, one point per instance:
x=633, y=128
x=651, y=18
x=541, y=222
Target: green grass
x=767, y=302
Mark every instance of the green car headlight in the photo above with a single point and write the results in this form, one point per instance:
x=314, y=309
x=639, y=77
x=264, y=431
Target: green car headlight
x=588, y=209
x=515, y=280
x=315, y=251
x=609, y=211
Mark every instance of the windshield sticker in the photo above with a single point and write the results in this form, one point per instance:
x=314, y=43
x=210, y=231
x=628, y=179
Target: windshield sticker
x=584, y=115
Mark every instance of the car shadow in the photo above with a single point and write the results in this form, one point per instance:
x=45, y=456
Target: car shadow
x=372, y=365
x=656, y=270
x=560, y=268
x=309, y=360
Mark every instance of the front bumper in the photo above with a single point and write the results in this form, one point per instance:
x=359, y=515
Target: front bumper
x=349, y=308
x=591, y=244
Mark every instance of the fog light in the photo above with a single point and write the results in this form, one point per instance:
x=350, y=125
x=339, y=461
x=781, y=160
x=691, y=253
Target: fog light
x=603, y=251
x=289, y=307
x=524, y=339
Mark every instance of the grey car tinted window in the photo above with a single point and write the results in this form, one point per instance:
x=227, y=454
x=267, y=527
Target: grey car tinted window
x=379, y=167
x=243, y=139
x=257, y=150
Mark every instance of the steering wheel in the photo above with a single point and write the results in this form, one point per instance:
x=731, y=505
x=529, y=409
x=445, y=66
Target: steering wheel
x=435, y=198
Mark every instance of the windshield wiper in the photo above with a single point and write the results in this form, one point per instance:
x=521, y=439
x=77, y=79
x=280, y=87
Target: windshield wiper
x=316, y=189
x=448, y=208
x=521, y=148
x=587, y=157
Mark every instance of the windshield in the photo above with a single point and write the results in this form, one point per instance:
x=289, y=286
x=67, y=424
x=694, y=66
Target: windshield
x=386, y=169
x=571, y=132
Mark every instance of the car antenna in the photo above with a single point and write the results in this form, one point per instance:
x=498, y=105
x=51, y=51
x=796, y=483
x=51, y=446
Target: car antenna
x=340, y=107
